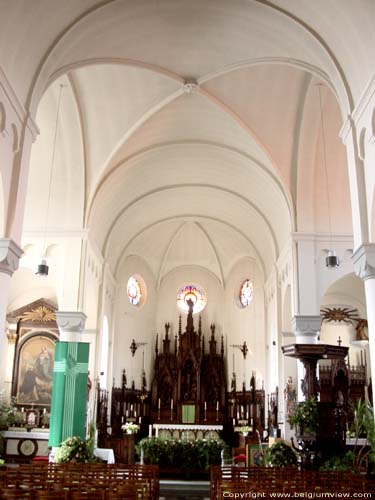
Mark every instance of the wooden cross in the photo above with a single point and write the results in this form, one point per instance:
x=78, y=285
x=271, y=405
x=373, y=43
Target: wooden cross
x=339, y=341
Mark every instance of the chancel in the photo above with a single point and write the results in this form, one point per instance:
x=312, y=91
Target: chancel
x=197, y=180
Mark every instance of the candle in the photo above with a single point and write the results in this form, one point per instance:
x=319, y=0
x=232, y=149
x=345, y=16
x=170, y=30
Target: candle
x=234, y=422
x=22, y=409
x=171, y=404
x=44, y=411
x=131, y=407
x=127, y=413
x=140, y=420
x=159, y=403
x=135, y=414
x=247, y=415
x=217, y=405
x=238, y=414
x=149, y=430
x=205, y=405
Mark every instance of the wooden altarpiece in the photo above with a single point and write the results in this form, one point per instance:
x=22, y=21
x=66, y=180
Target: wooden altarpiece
x=189, y=385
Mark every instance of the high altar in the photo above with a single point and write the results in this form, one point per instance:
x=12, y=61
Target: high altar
x=188, y=397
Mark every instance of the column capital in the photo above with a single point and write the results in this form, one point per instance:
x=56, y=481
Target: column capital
x=71, y=324
x=364, y=261
x=10, y=254
x=306, y=328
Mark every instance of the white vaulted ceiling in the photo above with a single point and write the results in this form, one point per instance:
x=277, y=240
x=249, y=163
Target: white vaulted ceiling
x=190, y=131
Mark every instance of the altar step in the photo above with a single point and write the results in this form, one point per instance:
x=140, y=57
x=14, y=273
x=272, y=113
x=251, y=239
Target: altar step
x=179, y=490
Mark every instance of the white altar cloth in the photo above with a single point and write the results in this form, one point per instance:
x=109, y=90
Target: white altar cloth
x=105, y=454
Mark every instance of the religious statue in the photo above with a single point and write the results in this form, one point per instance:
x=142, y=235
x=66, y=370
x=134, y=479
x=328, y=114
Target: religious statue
x=290, y=396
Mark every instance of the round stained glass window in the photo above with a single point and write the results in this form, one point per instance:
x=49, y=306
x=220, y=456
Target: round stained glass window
x=195, y=294
x=246, y=293
x=134, y=291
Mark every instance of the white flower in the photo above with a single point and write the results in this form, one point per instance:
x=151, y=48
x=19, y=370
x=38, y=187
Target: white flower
x=130, y=427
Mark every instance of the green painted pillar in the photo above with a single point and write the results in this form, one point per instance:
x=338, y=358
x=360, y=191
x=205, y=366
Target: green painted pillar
x=69, y=386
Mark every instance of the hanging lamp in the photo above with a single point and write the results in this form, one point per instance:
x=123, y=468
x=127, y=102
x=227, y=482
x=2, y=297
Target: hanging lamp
x=42, y=269
x=332, y=259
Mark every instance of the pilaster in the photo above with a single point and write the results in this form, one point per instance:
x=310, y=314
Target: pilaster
x=10, y=254
x=364, y=261
x=364, y=265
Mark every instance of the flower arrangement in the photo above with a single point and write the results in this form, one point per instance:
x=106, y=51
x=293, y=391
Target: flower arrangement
x=245, y=429
x=130, y=428
x=7, y=412
x=280, y=455
x=76, y=449
x=198, y=454
x=305, y=417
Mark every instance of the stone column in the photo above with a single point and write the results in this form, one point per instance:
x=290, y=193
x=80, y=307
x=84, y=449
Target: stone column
x=364, y=265
x=69, y=389
x=10, y=253
x=306, y=330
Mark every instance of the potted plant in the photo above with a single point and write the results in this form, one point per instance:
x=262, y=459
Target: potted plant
x=280, y=455
x=75, y=449
x=130, y=428
x=363, y=426
x=245, y=429
x=305, y=418
x=7, y=412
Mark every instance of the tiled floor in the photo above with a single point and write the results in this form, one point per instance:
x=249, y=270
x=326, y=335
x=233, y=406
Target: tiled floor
x=179, y=490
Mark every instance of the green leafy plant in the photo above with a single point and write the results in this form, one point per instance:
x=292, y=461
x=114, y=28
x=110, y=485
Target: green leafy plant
x=199, y=454
x=305, y=417
x=280, y=455
x=363, y=426
x=8, y=412
x=339, y=462
x=76, y=449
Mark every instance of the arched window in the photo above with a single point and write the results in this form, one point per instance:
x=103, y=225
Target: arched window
x=134, y=291
x=194, y=293
x=246, y=293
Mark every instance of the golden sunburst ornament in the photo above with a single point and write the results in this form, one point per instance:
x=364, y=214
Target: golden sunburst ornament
x=41, y=314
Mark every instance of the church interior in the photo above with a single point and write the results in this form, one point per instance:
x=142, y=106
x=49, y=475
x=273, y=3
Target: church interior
x=188, y=223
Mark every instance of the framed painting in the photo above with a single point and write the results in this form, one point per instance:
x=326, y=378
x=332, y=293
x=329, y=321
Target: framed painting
x=255, y=454
x=34, y=370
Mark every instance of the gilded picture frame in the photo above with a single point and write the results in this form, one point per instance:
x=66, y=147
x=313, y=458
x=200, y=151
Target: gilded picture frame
x=34, y=370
